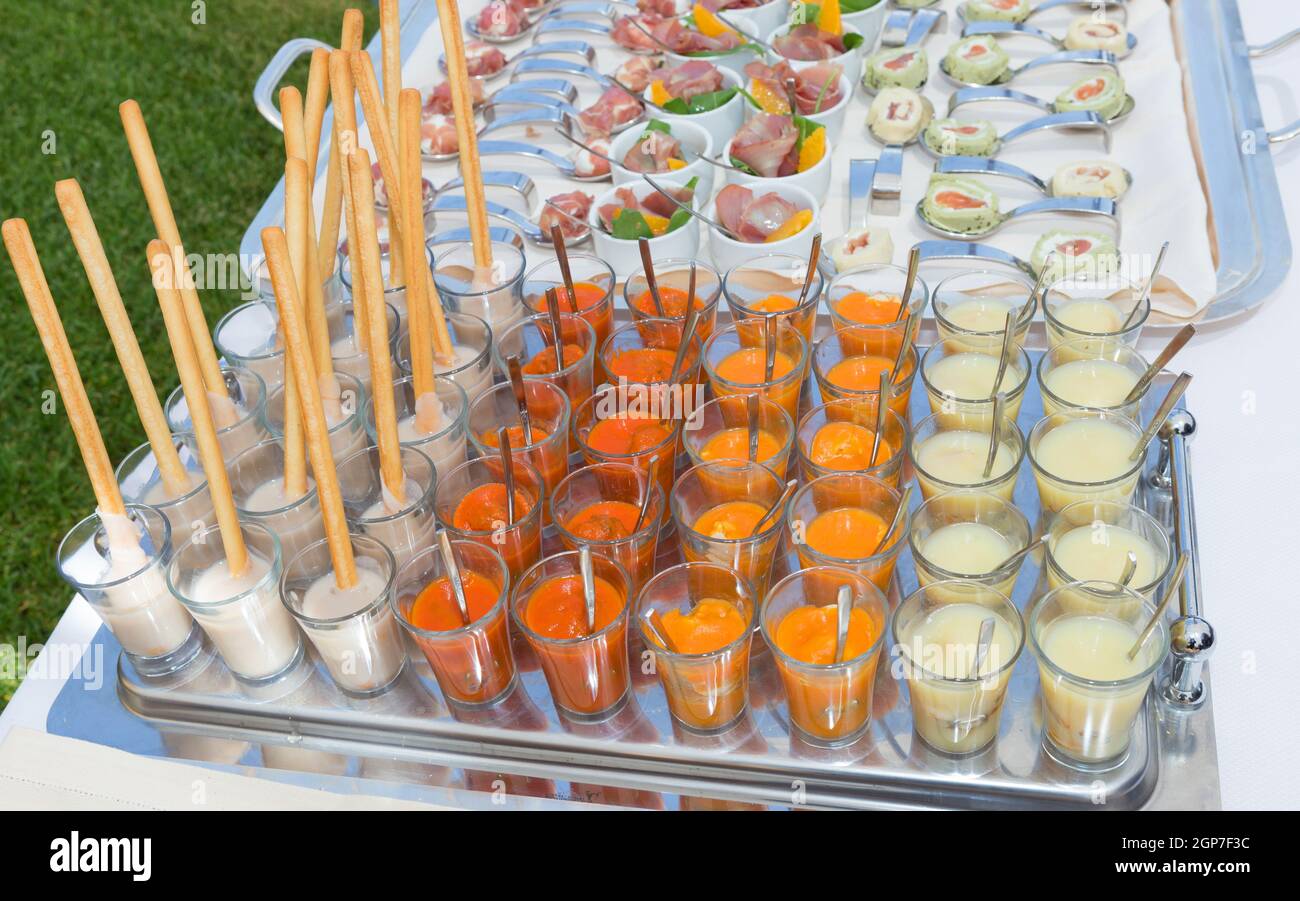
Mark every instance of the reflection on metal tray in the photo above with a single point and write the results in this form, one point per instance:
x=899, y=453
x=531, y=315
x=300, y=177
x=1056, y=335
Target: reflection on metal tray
x=638, y=757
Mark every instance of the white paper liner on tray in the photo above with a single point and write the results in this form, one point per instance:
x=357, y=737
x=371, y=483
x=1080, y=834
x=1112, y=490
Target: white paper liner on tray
x=1167, y=201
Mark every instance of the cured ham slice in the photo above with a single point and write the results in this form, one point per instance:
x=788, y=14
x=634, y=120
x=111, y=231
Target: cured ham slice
x=749, y=218
x=438, y=135
x=817, y=88
x=636, y=73
x=808, y=42
x=625, y=33
x=613, y=108
x=439, y=102
x=568, y=211
x=483, y=60
x=765, y=144
x=661, y=8
x=588, y=165
x=680, y=39
x=652, y=152
x=692, y=78
x=502, y=18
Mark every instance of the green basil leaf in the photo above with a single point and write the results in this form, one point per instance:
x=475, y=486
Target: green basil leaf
x=628, y=225
x=852, y=40
x=857, y=6
x=742, y=166
x=656, y=125
x=679, y=218
x=701, y=103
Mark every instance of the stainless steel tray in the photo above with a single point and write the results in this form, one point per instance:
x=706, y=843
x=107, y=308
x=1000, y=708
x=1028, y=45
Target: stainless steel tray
x=1249, y=223
x=639, y=757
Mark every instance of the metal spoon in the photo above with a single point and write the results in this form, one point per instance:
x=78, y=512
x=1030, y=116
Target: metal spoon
x=1170, y=591
x=688, y=332
x=568, y=67
x=1004, y=358
x=900, y=515
x=843, y=616
x=1146, y=288
x=1074, y=120
x=507, y=472
x=521, y=396
x=648, y=267
x=1046, y=5
x=648, y=493
x=453, y=575
x=913, y=267
x=982, y=644
x=557, y=331
x=588, y=585
x=1162, y=359
x=456, y=203
x=1130, y=569
x=519, y=148
x=999, y=94
x=1021, y=554
x=978, y=165
x=751, y=409
x=1065, y=57
x=542, y=110
x=776, y=508
x=995, y=432
x=655, y=624
x=1020, y=29
x=1101, y=207
x=1166, y=407
x=575, y=48
x=882, y=404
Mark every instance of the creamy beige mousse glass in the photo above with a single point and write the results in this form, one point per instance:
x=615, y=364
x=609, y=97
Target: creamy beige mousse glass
x=404, y=525
x=347, y=433
x=247, y=336
x=257, y=483
x=1092, y=691
x=968, y=535
x=448, y=442
x=1076, y=374
x=395, y=297
x=956, y=708
x=141, y=483
x=1091, y=540
x=958, y=377
x=346, y=349
x=1083, y=455
x=1095, y=311
x=949, y=452
x=471, y=362
x=247, y=393
x=974, y=305
x=495, y=297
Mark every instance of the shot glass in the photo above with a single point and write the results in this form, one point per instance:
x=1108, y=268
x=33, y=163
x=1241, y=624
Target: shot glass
x=352, y=628
x=955, y=709
x=1092, y=691
x=948, y=453
x=347, y=349
x=970, y=307
x=348, y=434
x=771, y=285
x=593, y=287
x=644, y=352
x=1077, y=374
x=127, y=587
x=548, y=412
x=257, y=482
x=141, y=483
x=248, y=337
x=838, y=437
x=492, y=296
x=959, y=381
x=829, y=703
x=872, y=295
x=625, y=424
x=586, y=670
x=716, y=506
x=471, y=368
x=968, y=535
x=847, y=365
x=532, y=340
x=447, y=444
x=1087, y=460
x=843, y=520
x=735, y=363
x=472, y=662
x=598, y=506
x=242, y=615
x=247, y=392
x=406, y=525
x=673, y=278
x=719, y=430
x=707, y=612
x=394, y=295
x=1100, y=311
x=470, y=503
x=1089, y=541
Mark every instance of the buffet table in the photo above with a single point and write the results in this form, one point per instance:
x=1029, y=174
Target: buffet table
x=1244, y=366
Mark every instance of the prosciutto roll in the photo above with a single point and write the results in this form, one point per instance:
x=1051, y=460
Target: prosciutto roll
x=1090, y=178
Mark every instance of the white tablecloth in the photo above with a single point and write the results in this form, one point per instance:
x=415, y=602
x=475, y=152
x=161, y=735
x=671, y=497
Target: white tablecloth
x=1245, y=460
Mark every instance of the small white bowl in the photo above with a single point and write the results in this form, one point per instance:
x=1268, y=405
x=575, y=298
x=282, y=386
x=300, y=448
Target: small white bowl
x=816, y=181
x=869, y=23
x=625, y=256
x=735, y=61
x=765, y=17
x=832, y=119
x=728, y=254
x=693, y=137
x=720, y=123
x=850, y=60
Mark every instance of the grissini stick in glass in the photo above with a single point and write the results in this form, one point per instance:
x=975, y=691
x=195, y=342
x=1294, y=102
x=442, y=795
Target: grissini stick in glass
x=336, y=186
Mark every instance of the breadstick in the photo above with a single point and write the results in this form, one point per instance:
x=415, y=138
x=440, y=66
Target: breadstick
x=295, y=208
x=345, y=134
x=363, y=74
x=417, y=298
x=327, y=248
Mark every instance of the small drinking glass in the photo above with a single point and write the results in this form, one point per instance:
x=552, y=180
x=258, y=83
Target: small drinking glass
x=394, y=296
x=1076, y=374
x=257, y=483
x=948, y=453
x=1100, y=311
x=1091, y=433
x=735, y=362
x=848, y=363
x=974, y=305
x=404, y=526
x=470, y=502
x=593, y=285
x=247, y=392
x=771, y=285
x=348, y=434
x=471, y=367
x=447, y=444
x=622, y=424
x=141, y=483
x=598, y=506
x=1090, y=540
x=347, y=350
x=673, y=278
x=968, y=535
x=644, y=353
x=548, y=413
x=843, y=520
x=532, y=340
x=248, y=337
x=872, y=295
x=719, y=430
x=959, y=381
x=838, y=437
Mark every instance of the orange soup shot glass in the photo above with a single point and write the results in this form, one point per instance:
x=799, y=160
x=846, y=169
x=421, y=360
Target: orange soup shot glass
x=839, y=437
x=716, y=508
x=593, y=291
x=585, y=662
x=843, y=520
x=471, y=660
x=774, y=285
x=735, y=360
x=533, y=341
x=630, y=424
x=720, y=430
x=847, y=365
x=471, y=504
x=698, y=620
x=600, y=506
x=873, y=295
x=548, y=416
x=673, y=278
x=829, y=702
x=644, y=352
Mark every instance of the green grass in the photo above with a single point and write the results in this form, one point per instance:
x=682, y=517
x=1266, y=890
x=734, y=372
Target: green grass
x=67, y=66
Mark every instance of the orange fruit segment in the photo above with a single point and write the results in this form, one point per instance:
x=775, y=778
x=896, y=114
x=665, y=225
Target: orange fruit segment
x=769, y=99
x=795, y=224
x=658, y=93
x=658, y=224
x=675, y=164
x=813, y=149
x=707, y=23
x=829, y=17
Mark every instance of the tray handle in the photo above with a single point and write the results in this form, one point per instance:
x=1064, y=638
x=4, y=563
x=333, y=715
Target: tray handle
x=264, y=87
x=1256, y=51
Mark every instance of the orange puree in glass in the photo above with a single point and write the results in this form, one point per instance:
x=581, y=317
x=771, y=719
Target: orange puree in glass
x=711, y=625
x=859, y=373
x=484, y=508
x=734, y=519
x=733, y=444
x=435, y=608
x=869, y=309
x=774, y=303
x=643, y=365
x=849, y=533
x=544, y=362
x=604, y=521
x=747, y=366
x=628, y=435
x=588, y=295
x=672, y=299
x=846, y=447
x=557, y=610
x=516, y=432
x=808, y=634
